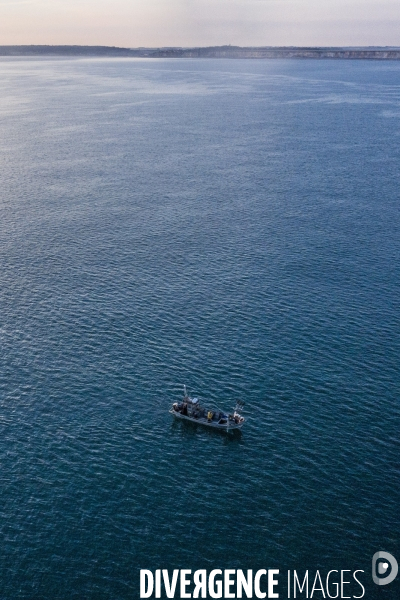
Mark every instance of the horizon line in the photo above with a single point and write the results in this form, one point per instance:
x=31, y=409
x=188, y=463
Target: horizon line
x=219, y=52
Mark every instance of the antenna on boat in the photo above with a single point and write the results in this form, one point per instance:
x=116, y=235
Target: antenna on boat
x=184, y=391
x=239, y=405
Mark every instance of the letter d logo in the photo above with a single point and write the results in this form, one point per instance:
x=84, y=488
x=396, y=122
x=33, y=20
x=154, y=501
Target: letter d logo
x=380, y=568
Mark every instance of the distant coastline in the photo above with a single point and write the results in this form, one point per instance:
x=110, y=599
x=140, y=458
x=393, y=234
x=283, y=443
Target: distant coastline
x=249, y=52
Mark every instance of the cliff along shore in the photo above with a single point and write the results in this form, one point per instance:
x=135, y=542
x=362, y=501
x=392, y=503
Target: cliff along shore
x=371, y=53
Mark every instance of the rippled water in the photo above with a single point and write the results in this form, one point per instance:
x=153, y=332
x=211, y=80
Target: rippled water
x=231, y=225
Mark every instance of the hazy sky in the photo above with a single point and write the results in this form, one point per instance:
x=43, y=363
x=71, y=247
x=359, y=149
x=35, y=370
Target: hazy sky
x=134, y=23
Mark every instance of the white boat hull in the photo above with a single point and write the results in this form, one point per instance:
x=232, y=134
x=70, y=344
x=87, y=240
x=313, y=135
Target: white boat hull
x=228, y=426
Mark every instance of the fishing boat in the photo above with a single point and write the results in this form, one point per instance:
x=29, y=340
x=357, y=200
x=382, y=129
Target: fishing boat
x=190, y=409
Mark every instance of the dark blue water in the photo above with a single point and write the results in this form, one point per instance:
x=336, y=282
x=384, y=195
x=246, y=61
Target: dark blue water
x=231, y=225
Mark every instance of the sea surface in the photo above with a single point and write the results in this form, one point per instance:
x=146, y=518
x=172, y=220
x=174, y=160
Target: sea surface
x=230, y=225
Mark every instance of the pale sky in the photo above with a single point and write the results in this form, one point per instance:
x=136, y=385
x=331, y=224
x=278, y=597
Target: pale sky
x=153, y=23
